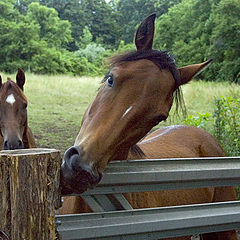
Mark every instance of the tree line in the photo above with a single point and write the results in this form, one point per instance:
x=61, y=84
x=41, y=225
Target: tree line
x=74, y=36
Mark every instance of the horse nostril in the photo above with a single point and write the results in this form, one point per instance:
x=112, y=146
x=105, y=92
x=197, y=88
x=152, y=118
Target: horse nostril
x=20, y=144
x=73, y=159
x=5, y=145
x=70, y=152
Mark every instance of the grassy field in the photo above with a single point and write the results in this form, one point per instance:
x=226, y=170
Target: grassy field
x=57, y=104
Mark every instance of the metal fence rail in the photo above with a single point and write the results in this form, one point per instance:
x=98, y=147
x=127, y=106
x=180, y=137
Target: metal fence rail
x=155, y=223
x=166, y=174
x=152, y=223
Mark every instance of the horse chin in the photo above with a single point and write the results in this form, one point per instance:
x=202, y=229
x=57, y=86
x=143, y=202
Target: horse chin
x=68, y=188
x=78, y=182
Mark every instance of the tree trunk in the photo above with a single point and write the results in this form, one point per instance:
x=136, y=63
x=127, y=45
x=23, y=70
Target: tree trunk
x=29, y=193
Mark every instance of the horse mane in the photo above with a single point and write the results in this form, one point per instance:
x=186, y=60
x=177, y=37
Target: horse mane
x=163, y=60
x=135, y=150
x=9, y=84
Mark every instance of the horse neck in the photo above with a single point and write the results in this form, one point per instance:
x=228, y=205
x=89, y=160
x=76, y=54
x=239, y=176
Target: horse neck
x=132, y=153
x=25, y=138
x=135, y=152
x=28, y=138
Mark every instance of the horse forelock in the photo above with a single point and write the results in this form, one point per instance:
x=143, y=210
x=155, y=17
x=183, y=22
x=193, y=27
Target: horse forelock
x=162, y=59
x=11, y=85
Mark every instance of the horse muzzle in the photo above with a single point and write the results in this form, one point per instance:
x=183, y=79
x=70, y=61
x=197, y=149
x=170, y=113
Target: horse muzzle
x=76, y=176
x=13, y=144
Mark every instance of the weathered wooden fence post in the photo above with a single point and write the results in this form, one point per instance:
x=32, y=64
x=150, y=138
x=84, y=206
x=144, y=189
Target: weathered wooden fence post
x=29, y=194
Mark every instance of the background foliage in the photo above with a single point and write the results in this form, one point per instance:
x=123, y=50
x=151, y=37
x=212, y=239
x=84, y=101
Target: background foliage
x=72, y=36
x=223, y=123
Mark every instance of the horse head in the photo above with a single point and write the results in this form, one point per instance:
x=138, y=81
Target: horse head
x=13, y=112
x=136, y=94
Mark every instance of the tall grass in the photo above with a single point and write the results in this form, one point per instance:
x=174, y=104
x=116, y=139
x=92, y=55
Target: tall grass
x=200, y=95
x=57, y=104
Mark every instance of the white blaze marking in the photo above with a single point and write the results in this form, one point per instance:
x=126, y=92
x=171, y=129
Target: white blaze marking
x=126, y=111
x=10, y=99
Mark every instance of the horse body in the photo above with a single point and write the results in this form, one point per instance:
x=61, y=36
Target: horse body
x=136, y=95
x=171, y=142
x=180, y=142
x=14, y=130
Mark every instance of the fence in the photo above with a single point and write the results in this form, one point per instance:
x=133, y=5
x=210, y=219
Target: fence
x=155, y=223
x=29, y=193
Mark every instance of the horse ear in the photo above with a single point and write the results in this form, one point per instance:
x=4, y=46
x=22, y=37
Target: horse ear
x=20, y=78
x=188, y=72
x=145, y=33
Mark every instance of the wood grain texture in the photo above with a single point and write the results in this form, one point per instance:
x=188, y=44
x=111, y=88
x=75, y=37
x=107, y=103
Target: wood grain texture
x=29, y=193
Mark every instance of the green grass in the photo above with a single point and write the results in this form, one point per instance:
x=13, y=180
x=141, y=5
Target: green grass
x=57, y=104
x=199, y=96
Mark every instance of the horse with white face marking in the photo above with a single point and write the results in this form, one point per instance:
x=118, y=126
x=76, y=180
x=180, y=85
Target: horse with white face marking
x=136, y=95
x=14, y=130
x=11, y=99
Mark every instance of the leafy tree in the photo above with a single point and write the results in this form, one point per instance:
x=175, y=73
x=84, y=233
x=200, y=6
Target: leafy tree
x=182, y=30
x=132, y=13
x=16, y=38
x=102, y=21
x=7, y=11
x=38, y=34
x=185, y=30
x=97, y=15
x=54, y=31
x=86, y=38
x=22, y=5
x=225, y=43
x=74, y=13
x=32, y=41
x=122, y=47
x=196, y=30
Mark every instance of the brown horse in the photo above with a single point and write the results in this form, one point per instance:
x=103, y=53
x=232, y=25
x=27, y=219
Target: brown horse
x=14, y=130
x=136, y=95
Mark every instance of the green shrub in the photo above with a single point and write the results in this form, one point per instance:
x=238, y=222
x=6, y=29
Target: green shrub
x=92, y=52
x=48, y=61
x=224, y=123
x=227, y=124
x=201, y=120
x=122, y=47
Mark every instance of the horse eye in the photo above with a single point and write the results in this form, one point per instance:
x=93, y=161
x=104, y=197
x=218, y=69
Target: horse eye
x=110, y=81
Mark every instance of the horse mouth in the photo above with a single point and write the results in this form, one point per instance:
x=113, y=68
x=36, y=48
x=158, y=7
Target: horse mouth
x=78, y=182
